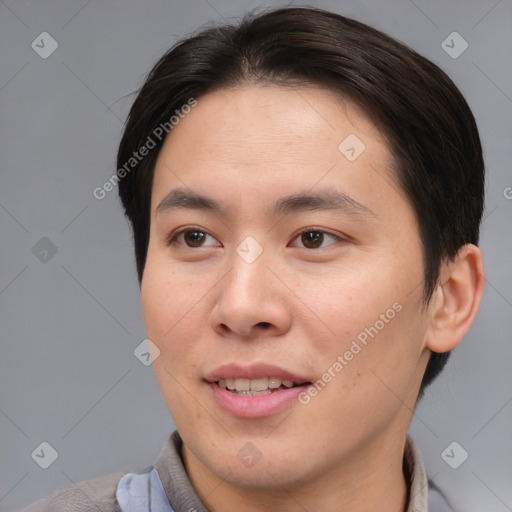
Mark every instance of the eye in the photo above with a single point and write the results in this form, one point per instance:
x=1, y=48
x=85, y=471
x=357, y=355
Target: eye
x=316, y=239
x=192, y=238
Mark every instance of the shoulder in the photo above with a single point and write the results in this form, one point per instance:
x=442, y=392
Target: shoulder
x=98, y=494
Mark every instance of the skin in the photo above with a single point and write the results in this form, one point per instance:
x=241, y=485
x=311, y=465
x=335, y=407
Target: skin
x=295, y=306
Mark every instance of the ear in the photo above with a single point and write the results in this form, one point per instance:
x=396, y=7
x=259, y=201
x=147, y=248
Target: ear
x=456, y=300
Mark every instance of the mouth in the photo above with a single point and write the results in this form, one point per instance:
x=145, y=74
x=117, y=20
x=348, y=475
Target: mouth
x=254, y=391
x=257, y=387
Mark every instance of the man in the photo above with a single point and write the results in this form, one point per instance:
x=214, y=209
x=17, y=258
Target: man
x=305, y=195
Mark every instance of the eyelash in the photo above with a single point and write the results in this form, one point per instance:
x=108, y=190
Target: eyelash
x=172, y=239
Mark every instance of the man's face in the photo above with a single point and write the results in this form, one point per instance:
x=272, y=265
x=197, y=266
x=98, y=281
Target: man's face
x=304, y=264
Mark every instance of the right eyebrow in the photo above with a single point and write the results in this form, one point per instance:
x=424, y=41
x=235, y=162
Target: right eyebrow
x=183, y=198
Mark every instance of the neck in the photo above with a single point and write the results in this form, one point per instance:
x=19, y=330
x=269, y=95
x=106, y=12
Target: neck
x=372, y=479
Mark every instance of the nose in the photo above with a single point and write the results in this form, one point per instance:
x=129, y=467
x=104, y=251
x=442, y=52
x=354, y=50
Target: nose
x=250, y=301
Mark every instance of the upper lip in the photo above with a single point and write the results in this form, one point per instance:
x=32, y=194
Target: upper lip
x=253, y=371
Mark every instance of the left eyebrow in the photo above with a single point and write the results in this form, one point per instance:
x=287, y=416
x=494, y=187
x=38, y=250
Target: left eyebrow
x=321, y=200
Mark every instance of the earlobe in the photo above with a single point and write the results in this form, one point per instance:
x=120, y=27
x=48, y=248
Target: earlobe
x=456, y=299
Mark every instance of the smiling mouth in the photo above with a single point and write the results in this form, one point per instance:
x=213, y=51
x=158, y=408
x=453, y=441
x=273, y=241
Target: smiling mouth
x=257, y=387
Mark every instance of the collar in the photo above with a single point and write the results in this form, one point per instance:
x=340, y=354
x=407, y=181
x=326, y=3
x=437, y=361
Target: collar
x=417, y=478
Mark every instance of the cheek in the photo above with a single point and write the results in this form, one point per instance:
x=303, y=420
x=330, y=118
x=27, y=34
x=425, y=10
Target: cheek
x=373, y=332
x=171, y=303
x=171, y=307
x=364, y=386
x=346, y=302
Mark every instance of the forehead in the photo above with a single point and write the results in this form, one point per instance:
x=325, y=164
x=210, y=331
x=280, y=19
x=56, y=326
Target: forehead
x=272, y=138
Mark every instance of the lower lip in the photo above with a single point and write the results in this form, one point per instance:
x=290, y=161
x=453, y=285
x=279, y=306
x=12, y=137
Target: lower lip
x=249, y=407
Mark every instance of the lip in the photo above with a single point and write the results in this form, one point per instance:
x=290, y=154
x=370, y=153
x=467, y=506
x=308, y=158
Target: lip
x=252, y=407
x=253, y=371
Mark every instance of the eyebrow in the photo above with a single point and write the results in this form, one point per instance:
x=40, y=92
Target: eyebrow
x=183, y=198
x=320, y=200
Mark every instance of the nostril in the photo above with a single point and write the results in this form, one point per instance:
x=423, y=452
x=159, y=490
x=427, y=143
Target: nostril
x=226, y=329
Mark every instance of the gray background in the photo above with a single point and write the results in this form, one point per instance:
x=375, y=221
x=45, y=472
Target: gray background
x=69, y=325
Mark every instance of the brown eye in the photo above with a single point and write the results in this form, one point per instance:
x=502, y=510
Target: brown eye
x=194, y=238
x=312, y=239
x=315, y=239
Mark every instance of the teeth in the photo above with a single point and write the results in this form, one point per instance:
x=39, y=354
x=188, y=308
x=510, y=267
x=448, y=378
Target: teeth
x=259, y=384
x=254, y=386
x=242, y=384
x=252, y=393
x=274, y=382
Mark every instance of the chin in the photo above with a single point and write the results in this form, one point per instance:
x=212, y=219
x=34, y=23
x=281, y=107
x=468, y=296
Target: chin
x=266, y=475
x=256, y=463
